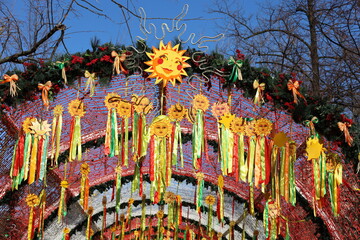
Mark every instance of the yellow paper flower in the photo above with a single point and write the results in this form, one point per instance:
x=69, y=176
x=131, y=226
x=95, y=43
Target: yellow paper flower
x=219, y=109
x=124, y=109
x=112, y=100
x=32, y=200
x=210, y=200
x=160, y=214
x=141, y=104
x=227, y=119
x=84, y=169
x=177, y=112
x=200, y=102
x=167, y=64
x=76, y=108
x=249, y=129
x=313, y=148
x=28, y=123
x=131, y=201
x=64, y=184
x=263, y=127
x=58, y=110
x=40, y=129
x=237, y=125
x=161, y=126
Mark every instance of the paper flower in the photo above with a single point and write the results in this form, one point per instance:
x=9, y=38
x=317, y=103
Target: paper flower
x=28, y=123
x=313, y=148
x=58, y=110
x=40, y=129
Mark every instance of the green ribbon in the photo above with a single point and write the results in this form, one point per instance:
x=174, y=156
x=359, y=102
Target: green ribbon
x=251, y=158
x=262, y=158
x=282, y=171
x=118, y=192
x=114, y=141
x=76, y=140
x=323, y=173
x=243, y=168
x=126, y=142
x=331, y=190
x=135, y=132
x=292, y=180
x=44, y=158
x=198, y=136
x=199, y=194
x=236, y=70
x=266, y=219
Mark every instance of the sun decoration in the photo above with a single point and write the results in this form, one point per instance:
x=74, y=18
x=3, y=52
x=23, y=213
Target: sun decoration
x=76, y=108
x=40, y=129
x=227, y=119
x=177, y=112
x=167, y=63
x=112, y=100
x=28, y=123
x=313, y=148
x=141, y=104
x=238, y=125
x=263, y=126
x=249, y=129
x=210, y=200
x=161, y=126
x=200, y=102
x=58, y=110
x=124, y=109
x=280, y=139
x=219, y=109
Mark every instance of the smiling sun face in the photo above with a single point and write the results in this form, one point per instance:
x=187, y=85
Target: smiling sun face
x=167, y=64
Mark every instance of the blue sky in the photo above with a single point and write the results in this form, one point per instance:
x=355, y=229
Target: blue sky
x=87, y=25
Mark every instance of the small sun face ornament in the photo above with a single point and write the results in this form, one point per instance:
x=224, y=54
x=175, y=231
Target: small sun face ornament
x=28, y=123
x=142, y=105
x=200, y=102
x=250, y=129
x=313, y=148
x=112, y=100
x=161, y=126
x=263, y=127
x=167, y=64
x=76, y=108
x=227, y=119
x=124, y=109
x=219, y=109
x=177, y=112
x=238, y=125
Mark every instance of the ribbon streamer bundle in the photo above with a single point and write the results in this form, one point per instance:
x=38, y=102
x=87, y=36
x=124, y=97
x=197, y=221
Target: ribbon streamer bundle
x=111, y=147
x=56, y=134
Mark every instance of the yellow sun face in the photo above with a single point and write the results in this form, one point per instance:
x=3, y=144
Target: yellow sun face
x=167, y=64
x=219, y=109
x=177, y=112
x=112, y=100
x=76, y=108
x=200, y=102
x=263, y=127
x=141, y=104
x=161, y=126
x=124, y=109
x=238, y=125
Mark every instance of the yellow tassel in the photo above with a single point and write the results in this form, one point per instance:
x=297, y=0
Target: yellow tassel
x=33, y=160
x=89, y=231
x=84, y=192
x=32, y=201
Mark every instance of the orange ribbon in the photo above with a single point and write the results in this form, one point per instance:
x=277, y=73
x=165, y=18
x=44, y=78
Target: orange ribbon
x=45, y=88
x=294, y=87
x=11, y=79
x=344, y=128
x=117, y=62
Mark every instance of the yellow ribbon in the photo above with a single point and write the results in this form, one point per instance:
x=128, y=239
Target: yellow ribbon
x=258, y=99
x=90, y=83
x=11, y=79
x=45, y=88
x=32, y=201
x=117, y=62
x=294, y=87
x=344, y=128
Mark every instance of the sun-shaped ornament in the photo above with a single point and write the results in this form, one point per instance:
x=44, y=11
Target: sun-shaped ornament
x=161, y=126
x=313, y=148
x=200, y=102
x=112, y=100
x=167, y=64
x=40, y=129
x=28, y=123
x=238, y=125
x=219, y=109
x=263, y=127
x=249, y=129
x=124, y=109
x=177, y=112
x=227, y=119
x=141, y=104
x=280, y=139
x=76, y=108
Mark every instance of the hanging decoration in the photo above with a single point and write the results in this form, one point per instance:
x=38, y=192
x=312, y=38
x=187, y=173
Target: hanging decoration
x=103, y=225
x=56, y=134
x=174, y=212
x=200, y=104
x=61, y=66
x=45, y=88
x=11, y=80
x=77, y=110
x=199, y=190
x=220, y=200
x=160, y=157
x=236, y=69
x=118, y=171
x=62, y=212
x=89, y=231
x=177, y=113
x=210, y=201
x=143, y=217
x=118, y=59
x=167, y=64
x=271, y=220
x=260, y=88
x=111, y=147
x=84, y=188
x=160, y=232
x=226, y=137
x=262, y=128
x=124, y=110
x=237, y=126
x=32, y=201
x=42, y=206
x=334, y=172
x=66, y=234
x=90, y=82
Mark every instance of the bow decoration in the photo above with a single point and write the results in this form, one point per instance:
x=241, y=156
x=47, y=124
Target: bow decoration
x=11, y=79
x=118, y=67
x=294, y=87
x=344, y=128
x=258, y=99
x=61, y=65
x=45, y=88
x=90, y=83
x=236, y=70
x=310, y=123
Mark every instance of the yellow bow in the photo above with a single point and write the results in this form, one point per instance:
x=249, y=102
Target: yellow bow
x=294, y=87
x=344, y=128
x=117, y=62
x=258, y=99
x=90, y=82
x=11, y=79
x=45, y=88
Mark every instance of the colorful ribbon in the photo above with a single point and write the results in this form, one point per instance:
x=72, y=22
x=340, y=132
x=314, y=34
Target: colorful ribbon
x=11, y=79
x=61, y=65
x=236, y=70
x=344, y=128
x=90, y=82
x=118, y=68
x=45, y=88
x=294, y=87
x=260, y=87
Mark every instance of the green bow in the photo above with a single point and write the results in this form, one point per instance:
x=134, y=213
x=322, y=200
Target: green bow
x=236, y=71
